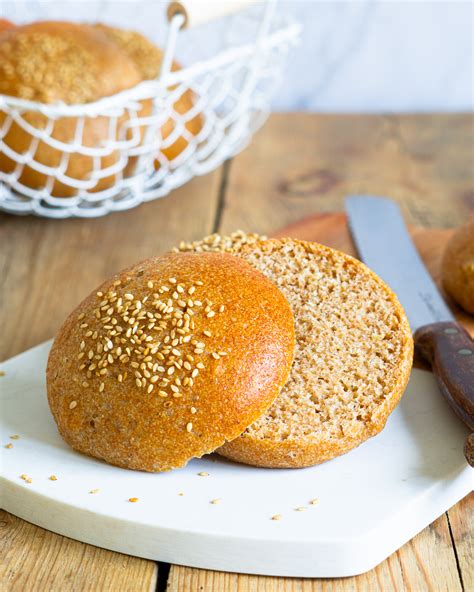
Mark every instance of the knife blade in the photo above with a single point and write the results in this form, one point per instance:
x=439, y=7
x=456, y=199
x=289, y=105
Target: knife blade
x=384, y=244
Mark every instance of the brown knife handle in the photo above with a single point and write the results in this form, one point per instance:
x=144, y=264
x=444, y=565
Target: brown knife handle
x=450, y=350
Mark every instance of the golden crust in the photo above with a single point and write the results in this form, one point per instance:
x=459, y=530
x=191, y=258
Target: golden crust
x=302, y=452
x=458, y=266
x=128, y=426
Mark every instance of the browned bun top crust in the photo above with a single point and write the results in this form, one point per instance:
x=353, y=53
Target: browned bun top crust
x=146, y=56
x=57, y=61
x=458, y=266
x=169, y=359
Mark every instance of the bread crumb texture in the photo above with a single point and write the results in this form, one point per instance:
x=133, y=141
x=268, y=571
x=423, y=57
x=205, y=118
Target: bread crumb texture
x=353, y=355
x=169, y=359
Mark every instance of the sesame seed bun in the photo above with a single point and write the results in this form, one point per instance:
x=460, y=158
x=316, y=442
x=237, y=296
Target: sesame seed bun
x=169, y=359
x=147, y=57
x=72, y=63
x=57, y=61
x=353, y=353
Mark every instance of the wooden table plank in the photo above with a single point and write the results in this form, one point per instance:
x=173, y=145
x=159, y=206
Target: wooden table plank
x=47, y=267
x=302, y=164
x=36, y=559
x=461, y=521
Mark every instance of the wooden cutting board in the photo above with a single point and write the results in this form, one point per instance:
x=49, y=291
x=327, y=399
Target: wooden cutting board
x=331, y=229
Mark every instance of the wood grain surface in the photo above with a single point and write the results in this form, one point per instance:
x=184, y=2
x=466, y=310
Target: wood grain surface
x=296, y=166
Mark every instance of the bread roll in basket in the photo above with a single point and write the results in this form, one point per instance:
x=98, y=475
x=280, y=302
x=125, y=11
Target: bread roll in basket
x=75, y=64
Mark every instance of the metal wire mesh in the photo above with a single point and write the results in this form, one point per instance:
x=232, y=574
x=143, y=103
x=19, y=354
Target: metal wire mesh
x=88, y=160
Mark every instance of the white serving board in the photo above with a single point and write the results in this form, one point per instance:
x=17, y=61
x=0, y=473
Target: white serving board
x=372, y=500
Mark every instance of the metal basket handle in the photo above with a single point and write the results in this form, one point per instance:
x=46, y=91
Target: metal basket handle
x=201, y=11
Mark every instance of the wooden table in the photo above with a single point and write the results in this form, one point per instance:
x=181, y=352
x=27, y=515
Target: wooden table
x=297, y=165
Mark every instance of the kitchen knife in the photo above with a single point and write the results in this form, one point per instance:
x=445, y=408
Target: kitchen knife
x=383, y=243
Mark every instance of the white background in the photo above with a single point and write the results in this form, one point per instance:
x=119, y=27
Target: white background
x=366, y=55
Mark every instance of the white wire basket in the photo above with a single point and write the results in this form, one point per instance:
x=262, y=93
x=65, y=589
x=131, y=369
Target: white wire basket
x=150, y=143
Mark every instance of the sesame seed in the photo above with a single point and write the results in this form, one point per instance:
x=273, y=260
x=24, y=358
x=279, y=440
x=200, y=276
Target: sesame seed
x=300, y=509
x=53, y=478
x=72, y=404
x=163, y=393
x=193, y=410
x=277, y=517
x=314, y=501
x=216, y=501
x=207, y=333
x=29, y=480
x=203, y=474
x=14, y=437
x=189, y=427
x=24, y=477
x=9, y=445
x=150, y=388
x=101, y=387
x=180, y=493
x=93, y=491
x=216, y=356
x=150, y=285
x=81, y=316
x=133, y=499
x=210, y=314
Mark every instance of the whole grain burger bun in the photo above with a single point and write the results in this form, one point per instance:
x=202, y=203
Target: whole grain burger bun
x=147, y=57
x=353, y=353
x=54, y=62
x=169, y=359
x=458, y=266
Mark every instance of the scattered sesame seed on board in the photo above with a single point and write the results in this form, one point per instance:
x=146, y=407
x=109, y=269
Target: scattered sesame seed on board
x=14, y=437
x=24, y=477
x=314, y=501
x=2, y=373
x=276, y=517
x=9, y=445
x=181, y=493
x=216, y=501
x=300, y=509
x=94, y=491
x=133, y=499
x=53, y=478
x=203, y=474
